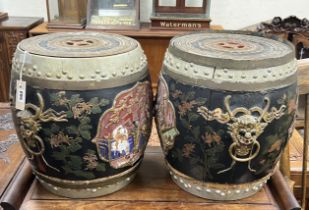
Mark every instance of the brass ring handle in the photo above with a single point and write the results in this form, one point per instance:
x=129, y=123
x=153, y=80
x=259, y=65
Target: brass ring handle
x=244, y=159
x=32, y=152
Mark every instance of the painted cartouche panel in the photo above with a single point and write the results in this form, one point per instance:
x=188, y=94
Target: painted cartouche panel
x=83, y=135
x=224, y=136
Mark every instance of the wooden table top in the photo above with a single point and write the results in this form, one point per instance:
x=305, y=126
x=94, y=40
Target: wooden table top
x=19, y=23
x=145, y=31
x=151, y=189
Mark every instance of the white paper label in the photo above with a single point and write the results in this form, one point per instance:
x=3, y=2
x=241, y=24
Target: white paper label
x=20, y=95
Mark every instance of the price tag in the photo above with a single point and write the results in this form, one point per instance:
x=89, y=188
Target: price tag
x=20, y=84
x=20, y=94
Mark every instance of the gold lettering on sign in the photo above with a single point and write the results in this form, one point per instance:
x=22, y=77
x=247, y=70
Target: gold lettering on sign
x=170, y=24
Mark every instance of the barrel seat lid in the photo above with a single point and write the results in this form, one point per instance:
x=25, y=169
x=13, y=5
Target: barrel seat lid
x=232, y=49
x=231, y=60
x=80, y=60
x=78, y=45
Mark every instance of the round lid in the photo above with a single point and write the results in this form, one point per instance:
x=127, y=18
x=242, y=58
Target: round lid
x=81, y=45
x=80, y=60
x=231, y=60
x=231, y=49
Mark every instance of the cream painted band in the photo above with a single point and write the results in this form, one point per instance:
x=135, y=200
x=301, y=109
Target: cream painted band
x=216, y=185
x=86, y=183
x=83, y=85
x=103, y=189
x=230, y=79
x=217, y=191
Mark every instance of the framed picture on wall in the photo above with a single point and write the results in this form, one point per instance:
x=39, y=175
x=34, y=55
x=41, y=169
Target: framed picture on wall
x=180, y=14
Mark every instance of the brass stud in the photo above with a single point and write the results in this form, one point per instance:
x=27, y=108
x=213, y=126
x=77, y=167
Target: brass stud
x=70, y=77
x=103, y=75
x=58, y=76
x=39, y=74
x=48, y=74
x=82, y=76
x=93, y=76
x=243, y=76
x=132, y=69
x=64, y=72
x=34, y=68
x=98, y=71
x=186, y=67
x=114, y=74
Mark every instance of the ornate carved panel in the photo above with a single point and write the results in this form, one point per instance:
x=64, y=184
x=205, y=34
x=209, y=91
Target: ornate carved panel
x=12, y=38
x=292, y=28
x=290, y=24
